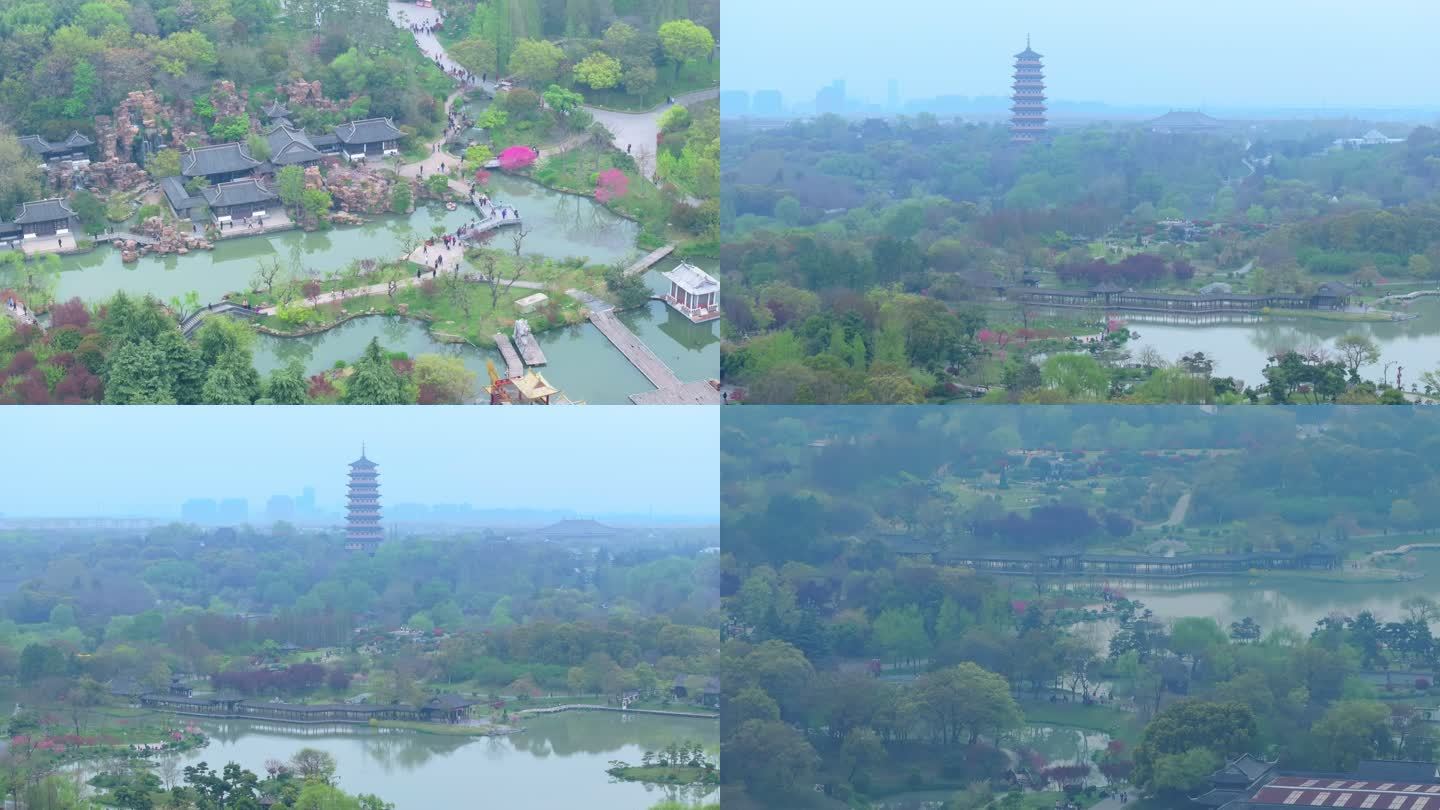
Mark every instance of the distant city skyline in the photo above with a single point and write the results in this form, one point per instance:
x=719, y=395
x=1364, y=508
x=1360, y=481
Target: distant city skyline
x=148, y=461
x=1322, y=54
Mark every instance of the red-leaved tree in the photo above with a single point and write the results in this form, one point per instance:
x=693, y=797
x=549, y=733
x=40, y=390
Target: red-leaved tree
x=515, y=158
x=611, y=184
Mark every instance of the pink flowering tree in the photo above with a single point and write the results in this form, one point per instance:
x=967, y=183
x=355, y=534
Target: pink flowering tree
x=482, y=177
x=517, y=157
x=611, y=184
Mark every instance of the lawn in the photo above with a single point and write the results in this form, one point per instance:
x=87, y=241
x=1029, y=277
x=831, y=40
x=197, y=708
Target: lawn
x=446, y=729
x=446, y=309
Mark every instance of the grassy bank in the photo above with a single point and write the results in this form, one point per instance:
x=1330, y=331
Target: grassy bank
x=1115, y=722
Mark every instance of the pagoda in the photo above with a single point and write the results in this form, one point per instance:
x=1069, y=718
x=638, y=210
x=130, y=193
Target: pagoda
x=1027, y=110
x=362, y=524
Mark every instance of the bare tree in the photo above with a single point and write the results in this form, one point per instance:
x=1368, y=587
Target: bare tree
x=266, y=275
x=517, y=238
x=493, y=274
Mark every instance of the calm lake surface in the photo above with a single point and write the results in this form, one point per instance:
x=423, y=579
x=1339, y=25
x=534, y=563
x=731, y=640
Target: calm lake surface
x=1240, y=349
x=561, y=226
x=1273, y=603
x=582, y=362
x=559, y=762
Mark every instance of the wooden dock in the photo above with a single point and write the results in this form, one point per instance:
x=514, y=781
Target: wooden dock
x=650, y=260
x=702, y=392
x=513, y=367
x=529, y=347
x=634, y=350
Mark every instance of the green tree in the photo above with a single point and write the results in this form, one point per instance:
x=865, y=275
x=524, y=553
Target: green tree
x=773, y=760
x=1357, y=350
x=1218, y=729
x=561, y=100
x=683, y=41
x=1350, y=731
x=231, y=128
x=164, y=163
x=1420, y=266
x=861, y=750
x=375, y=381
x=316, y=202
x=231, y=381
x=900, y=632
x=443, y=380
x=475, y=55
x=289, y=184
x=536, y=61
x=1194, y=637
x=19, y=173
x=1076, y=376
x=286, y=386
x=598, y=71
x=966, y=701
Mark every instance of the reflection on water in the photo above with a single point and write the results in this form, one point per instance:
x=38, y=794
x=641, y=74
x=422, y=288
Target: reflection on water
x=1240, y=350
x=1279, y=602
x=559, y=761
x=560, y=226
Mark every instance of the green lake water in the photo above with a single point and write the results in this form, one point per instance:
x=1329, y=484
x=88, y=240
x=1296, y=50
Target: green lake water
x=582, y=362
x=558, y=762
x=560, y=225
x=1240, y=349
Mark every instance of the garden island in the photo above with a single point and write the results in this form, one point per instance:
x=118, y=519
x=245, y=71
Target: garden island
x=359, y=202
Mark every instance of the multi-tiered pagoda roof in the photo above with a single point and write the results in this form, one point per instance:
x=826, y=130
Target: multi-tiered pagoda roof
x=1027, y=108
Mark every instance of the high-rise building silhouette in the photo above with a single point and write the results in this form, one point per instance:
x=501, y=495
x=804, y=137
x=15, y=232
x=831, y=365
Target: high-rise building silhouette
x=767, y=103
x=734, y=103
x=831, y=100
x=1027, y=109
x=362, y=525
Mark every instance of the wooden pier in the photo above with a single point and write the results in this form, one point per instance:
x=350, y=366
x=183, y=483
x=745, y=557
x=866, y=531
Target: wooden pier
x=650, y=260
x=530, y=350
x=514, y=368
x=634, y=349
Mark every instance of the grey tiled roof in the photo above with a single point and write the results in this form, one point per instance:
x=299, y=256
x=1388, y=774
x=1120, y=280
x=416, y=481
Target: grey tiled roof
x=289, y=146
x=180, y=198
x=218, y=159
x=238, y=192
x=43, y=211
x=370, y=130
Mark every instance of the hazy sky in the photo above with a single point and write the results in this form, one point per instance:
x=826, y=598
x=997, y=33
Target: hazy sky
x=1293, y=53
x=132, y=460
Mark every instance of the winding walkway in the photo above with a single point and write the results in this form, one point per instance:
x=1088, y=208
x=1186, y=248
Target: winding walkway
x=639, y=131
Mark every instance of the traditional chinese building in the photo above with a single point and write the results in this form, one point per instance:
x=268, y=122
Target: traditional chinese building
x=362, y=523
x=694, y=293
x=44, y=218
x=75, y=148
x=1027, y=109
x=218, y=164
x=369, y=138
x=239, y=199
x=291, y=147
x=1248, y=783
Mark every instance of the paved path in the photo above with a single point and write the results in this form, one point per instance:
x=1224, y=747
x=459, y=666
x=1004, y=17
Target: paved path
x=20, y=313
x=637, y=130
